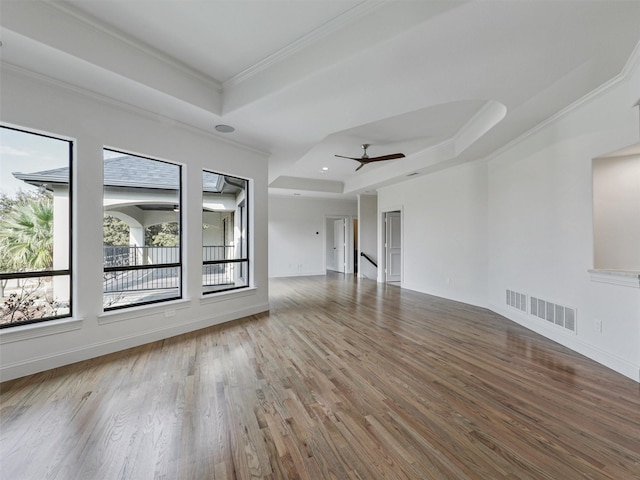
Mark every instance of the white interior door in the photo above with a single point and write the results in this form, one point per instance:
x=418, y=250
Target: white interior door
x=339, y=240
x=393, y=246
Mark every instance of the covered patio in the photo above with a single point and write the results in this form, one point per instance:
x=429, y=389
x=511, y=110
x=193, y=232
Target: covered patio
x=142, y=193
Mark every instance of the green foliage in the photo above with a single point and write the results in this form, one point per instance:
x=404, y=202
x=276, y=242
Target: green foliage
x=7, y=202
x=26, y=232
x=162, y=235
x=115, y=231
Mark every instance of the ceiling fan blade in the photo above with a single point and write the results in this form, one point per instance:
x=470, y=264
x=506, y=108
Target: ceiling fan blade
x=365, y=160
x=386, y=157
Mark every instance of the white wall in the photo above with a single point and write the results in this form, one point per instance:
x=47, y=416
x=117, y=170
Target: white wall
x=93, y=122
x=444, y=232
x=297, y=237
x=523, y=220
x=541, y=228
x=368, y=236
x=212, y=235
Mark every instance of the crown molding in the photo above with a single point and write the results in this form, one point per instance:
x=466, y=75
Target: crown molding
x=624, y=74
x=135, y=109
x=130, y=41
x=632, y=62
x=331, y=26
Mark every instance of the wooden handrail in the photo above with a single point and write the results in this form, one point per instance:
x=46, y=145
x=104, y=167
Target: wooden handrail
x=362, y=254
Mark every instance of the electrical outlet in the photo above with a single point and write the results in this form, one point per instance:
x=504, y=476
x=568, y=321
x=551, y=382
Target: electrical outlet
x=169, y=313
x=599, y=326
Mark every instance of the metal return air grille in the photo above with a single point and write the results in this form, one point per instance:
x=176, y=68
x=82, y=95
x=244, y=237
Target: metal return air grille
x=517, y=300
x=562, y=316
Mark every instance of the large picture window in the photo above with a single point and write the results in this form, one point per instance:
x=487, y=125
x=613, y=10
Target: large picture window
x=35, y=227
x=142, y=230
x=225, y=246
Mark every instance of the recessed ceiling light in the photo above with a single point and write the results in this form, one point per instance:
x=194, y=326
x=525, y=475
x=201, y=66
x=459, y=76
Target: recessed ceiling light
x=225, y=129
x=296, y=194
x=324, y=169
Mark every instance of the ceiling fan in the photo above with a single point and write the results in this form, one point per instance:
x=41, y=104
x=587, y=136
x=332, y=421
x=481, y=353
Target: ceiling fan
x=367, y=159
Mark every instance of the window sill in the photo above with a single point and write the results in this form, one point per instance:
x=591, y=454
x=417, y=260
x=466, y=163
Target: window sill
x=41, y=329
x=625, y=278
x=227, y=295
x=143, y=311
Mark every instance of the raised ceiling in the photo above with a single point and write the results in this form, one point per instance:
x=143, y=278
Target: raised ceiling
x=219, y=39
x=444, y=82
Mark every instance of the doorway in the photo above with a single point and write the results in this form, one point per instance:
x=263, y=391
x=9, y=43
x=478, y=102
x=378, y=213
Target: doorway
x=355, y=246
x=393, y=247
x=339, y=244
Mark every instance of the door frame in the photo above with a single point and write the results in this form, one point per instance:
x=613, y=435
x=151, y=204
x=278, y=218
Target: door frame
x=348, y=241
x=339, y=249
x=382, y=239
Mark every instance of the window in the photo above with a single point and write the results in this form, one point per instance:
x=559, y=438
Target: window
x=225, y=251
x=141, y=231
x=35, y=227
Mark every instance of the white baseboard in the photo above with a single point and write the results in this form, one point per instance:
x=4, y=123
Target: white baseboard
x=85, y=352
x=571, y=341
x=476, y=302
x=295, y=274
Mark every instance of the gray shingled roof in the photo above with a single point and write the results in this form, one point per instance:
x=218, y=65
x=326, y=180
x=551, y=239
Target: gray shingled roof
x=128, y=171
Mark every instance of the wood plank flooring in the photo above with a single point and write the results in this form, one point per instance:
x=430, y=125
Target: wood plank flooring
x=343, y=379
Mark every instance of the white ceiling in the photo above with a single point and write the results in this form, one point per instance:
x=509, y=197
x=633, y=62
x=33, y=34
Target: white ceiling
x=444, y=82
x=218, y=38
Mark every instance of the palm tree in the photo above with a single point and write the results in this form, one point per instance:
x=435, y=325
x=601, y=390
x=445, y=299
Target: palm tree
x=26, y=235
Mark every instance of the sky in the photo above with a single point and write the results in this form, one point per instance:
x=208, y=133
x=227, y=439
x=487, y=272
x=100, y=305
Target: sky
x=26, y=152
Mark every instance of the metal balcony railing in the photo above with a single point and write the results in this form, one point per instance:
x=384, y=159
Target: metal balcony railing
x=158, y=268
x=126, y=255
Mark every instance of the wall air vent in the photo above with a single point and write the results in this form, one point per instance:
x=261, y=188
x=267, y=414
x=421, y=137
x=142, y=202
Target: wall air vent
x=559, y=315
x=517, y=300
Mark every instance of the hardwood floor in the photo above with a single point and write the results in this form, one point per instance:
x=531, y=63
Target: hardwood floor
x=343, y=379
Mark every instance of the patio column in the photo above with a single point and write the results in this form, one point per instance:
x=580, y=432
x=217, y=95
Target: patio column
x=60, y=285
x=136, y=238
